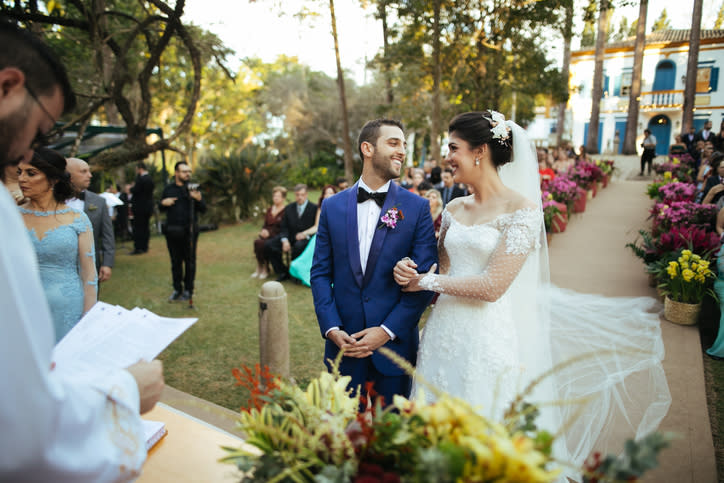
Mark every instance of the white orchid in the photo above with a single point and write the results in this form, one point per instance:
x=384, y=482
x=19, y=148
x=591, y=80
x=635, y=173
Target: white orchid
x=499, y=128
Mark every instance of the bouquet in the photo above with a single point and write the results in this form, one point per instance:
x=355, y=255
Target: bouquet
x=682, y=172
x=682, y=213
x=689, y=278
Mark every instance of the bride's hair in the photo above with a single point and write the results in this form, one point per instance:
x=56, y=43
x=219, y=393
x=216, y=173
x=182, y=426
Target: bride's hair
x=52, y=164
x=476, y=130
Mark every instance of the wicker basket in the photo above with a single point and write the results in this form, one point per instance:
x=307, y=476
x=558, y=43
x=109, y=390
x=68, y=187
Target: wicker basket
x=681, y=313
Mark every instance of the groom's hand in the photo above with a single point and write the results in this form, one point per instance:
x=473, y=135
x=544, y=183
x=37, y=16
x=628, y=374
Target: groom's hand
x=369, y=341
x=341, y=338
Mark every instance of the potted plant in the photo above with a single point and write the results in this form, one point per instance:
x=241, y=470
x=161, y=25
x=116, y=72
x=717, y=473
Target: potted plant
x=689, y=280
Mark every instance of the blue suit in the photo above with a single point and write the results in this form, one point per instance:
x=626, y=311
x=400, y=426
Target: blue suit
x=345, y=298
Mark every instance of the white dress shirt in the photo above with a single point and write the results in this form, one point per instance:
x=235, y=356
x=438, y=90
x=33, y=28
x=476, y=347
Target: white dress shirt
x=368, y=219
x=75, y=203
x=56, y=425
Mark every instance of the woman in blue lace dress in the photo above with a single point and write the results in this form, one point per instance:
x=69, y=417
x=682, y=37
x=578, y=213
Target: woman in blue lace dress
x=62, y=237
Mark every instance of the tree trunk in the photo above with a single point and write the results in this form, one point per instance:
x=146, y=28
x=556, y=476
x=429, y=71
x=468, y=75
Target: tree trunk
x=629, y=141
x=437, y=74
x=382, y=13
x=348, y=161
x=597, y=92
x=691, y=68
x=565, y=72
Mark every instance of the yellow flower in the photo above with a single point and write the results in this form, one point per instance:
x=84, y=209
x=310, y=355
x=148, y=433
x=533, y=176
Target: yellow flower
x=550, y=196
x=687, y=274
x=667, y=175
x=694, y=266
x=686, y=252
x=675, y=161
x=700, y=278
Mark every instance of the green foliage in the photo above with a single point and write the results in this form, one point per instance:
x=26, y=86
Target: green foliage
x=315, y=172
x=661, y=23
x=234, y=185
x=646, y=251
x=638, y=457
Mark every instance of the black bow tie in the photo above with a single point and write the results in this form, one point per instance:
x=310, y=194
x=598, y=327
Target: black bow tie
x=364, y=195
x=81, y=196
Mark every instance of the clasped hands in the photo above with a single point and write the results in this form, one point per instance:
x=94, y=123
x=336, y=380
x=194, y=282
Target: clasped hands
x=369, y=341
x=406, y=275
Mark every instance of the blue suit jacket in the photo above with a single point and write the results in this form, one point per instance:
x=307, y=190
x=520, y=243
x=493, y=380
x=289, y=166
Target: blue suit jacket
x=345, y=298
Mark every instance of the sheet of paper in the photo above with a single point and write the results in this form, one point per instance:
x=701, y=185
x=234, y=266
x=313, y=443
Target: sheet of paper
x=114, y=337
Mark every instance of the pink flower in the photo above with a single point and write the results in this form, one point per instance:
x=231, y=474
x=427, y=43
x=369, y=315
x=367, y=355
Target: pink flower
x=391, y=217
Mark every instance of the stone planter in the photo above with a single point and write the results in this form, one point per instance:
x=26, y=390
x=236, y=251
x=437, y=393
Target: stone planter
x=604, y=181
x=681, y=313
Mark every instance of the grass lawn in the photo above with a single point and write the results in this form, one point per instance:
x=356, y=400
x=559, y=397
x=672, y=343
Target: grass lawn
x=226, y=334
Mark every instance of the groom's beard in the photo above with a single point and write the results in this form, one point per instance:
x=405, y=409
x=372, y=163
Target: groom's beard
x=383, y=167
x=10, y=127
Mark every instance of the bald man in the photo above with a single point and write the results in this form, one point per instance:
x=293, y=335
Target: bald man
x=95, y=207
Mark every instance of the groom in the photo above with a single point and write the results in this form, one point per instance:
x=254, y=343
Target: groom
x=363, y=232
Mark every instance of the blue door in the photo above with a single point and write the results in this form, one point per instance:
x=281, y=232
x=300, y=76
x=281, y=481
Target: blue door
x=660, y=127
x=620, y=129
x=665, y=76
x=600, y=134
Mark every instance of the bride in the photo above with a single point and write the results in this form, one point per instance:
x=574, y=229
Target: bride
x=492, y=330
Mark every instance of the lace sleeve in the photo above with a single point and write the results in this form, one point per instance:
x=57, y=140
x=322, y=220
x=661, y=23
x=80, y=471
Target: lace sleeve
x=87, y=263
x=519, y=236
x=443, y=259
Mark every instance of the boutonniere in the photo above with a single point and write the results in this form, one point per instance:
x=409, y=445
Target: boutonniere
x=92, y=207
x=391, y=217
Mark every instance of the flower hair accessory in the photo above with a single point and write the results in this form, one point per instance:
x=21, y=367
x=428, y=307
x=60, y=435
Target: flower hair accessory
x=500, y=130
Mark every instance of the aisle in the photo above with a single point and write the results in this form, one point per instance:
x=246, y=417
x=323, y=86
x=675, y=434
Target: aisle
x=591, y=257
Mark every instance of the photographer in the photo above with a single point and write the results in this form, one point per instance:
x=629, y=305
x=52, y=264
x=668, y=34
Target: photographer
x=182, y=202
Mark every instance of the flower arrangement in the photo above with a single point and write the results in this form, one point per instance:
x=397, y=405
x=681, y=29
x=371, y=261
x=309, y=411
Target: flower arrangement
x=319, y=435
x=585, y=174
x=607, y=166
x=563, y=190
x=689, y=278
x=693, y=238
x=682, y=172
x=677, y=191
x=685, y=159
x=682, y=213
x=550, y=210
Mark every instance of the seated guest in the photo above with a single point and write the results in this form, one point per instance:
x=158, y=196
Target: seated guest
x=546, y=172
x=679, y=147
x=714, y=187
x=301, y=266
x=423, y=188
x=435, y=199
x=342, y=184
x=436, y=177
x=406, y=179
x=418, y=176
x=298, y=216
x=561, y=161
x=62, y=237
x=272, y=225
x=582, y=155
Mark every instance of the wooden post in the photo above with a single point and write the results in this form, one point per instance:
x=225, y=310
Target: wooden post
x=274, y=328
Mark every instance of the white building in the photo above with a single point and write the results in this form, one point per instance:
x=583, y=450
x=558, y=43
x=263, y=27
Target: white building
x=662, y=89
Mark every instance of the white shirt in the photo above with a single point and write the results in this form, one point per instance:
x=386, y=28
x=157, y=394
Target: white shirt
x=75, y=203
x=368, y=219
x=55, y=426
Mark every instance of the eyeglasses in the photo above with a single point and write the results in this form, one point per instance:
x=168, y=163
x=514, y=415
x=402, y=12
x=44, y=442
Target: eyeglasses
x=43, y=139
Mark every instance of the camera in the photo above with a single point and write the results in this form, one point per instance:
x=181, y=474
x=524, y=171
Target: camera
x=193, y=186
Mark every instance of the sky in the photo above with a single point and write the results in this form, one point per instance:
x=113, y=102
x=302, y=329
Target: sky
x=261, y=29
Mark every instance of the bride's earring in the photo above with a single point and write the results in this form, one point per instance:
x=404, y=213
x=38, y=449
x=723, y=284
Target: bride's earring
x=477, y=161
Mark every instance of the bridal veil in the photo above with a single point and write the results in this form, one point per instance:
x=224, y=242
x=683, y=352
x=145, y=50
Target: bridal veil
x=607, y=383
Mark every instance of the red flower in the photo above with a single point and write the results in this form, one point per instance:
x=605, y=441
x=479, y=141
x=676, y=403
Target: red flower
x=260, y=383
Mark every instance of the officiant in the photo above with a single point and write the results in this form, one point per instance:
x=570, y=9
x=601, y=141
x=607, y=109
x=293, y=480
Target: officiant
x=182, y=202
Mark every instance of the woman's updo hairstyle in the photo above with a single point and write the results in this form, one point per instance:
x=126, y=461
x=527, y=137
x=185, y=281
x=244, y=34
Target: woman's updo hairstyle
x=477, y=128
x=52, y=164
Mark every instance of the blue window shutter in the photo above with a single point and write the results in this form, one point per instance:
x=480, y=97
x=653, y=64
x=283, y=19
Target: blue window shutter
x=617, y=85
x=713, y=79
x=605, y=86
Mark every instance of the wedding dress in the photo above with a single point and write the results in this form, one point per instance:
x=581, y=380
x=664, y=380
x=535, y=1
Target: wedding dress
x=499, y=324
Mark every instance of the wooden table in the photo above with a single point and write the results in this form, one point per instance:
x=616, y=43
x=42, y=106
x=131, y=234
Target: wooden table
x=189, y=452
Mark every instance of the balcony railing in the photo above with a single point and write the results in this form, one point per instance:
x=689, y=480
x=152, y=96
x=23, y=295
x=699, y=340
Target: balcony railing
x=662, y=99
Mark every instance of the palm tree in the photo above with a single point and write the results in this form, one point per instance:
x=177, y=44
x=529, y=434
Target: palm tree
x=567, y=32
x=346, y=142
x=691, y=67
x=597, y=92
x=629, y=140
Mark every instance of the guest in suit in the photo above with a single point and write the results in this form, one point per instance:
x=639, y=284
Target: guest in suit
x=123, y=214
x=690, y=140
x=705, y=134
x=142, y=192
x=298, y=216
x=272, y=225
x=449, y=190
x=360, y=238
x=714, y=187
x=95, y=208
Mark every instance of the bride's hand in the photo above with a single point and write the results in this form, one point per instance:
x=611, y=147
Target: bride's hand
x=404, y=271
x=414, y=285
